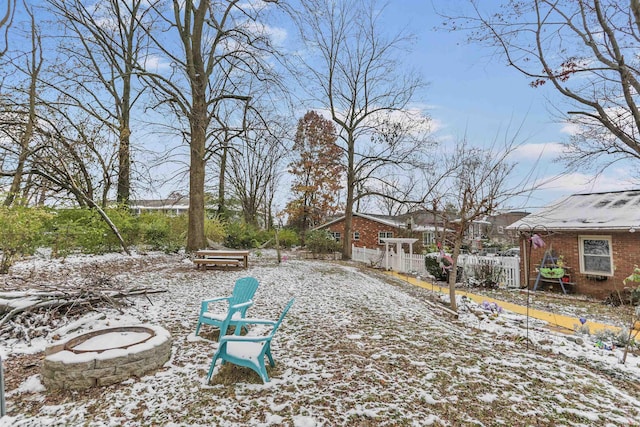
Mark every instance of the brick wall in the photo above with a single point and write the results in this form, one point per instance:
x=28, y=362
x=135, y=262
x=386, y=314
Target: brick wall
x=369, y=230
x=625, y=247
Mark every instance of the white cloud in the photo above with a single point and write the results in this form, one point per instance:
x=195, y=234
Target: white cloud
x=570, y=128
x=614, y=180
x=155, y=63
x=277, y=34
x=437, y=125
x=553, y=185
x=534, y=151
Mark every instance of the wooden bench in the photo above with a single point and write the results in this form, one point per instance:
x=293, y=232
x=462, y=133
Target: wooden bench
x=221, y=258
x=204, y=262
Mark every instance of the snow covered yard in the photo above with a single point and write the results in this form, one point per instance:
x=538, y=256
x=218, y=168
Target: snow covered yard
x=356, y=349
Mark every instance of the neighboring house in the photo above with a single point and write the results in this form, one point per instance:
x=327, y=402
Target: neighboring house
x=482, y=232
x=172, y=206
x=491, y=231
x=498, y=231
x=477, y=234
x=369, y=230
x=597, y=235
x=423, y=223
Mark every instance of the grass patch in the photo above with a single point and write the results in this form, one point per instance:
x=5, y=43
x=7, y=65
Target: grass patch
x=230, y=374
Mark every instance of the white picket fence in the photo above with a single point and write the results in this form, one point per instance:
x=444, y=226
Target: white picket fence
x=509, y=272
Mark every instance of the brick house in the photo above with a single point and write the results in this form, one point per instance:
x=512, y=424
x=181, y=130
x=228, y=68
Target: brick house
x=498, y=231
x=369, y=229
x=597, y=235
x=487, y=231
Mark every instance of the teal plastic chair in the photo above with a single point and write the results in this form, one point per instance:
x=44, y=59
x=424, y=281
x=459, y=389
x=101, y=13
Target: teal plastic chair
x=237, y=305
x=249, y=351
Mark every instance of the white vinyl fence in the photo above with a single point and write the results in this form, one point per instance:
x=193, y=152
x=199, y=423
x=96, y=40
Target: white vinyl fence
x=507, y=269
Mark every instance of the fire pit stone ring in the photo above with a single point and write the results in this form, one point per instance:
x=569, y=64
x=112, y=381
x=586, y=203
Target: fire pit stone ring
x=105, y=356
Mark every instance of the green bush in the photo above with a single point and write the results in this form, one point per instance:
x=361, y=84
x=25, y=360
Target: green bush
x=433, y=267
x=155, y=231
x=162, y=232
x=240, y=235
x=86, y=231
x=75, y=230
x=321, y=242
x=127, y=224
x=214, y=229
x=288, y=237
x=178, y=228
x=21, y=232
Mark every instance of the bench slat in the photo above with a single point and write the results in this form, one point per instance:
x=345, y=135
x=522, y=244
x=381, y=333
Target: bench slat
x=216, y=261
x=213, y=262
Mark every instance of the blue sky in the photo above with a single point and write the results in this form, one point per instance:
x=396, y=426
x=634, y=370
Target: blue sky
x=472, y=92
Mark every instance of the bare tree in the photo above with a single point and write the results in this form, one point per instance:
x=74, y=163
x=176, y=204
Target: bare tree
x=479, y=180
x=397, y=196
x=72, y=159
x=6, y=19
x=358, y=76
x=76, y=154
x=227, y=128
x=586, y=50
x=219, y=44
x=102, y=45
x=25, y=118
x=255, y=169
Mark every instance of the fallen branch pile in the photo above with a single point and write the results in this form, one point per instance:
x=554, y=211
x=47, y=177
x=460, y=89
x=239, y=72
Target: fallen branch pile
x=31, y=313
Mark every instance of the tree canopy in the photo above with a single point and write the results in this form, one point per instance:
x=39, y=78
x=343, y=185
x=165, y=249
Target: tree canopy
x=317, y=173
x=585, y=51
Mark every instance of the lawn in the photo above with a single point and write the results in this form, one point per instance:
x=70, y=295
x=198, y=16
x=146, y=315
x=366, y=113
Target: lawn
x=357, y=349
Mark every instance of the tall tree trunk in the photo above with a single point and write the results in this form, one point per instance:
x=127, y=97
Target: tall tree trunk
x=124, y=165
x=348, y=209
x=195, y=232
x=14, y=189
x=453, y=274
x=221, y=180
x=250, y=213
x=124, y=149
x=25, y=138
x=198, y=121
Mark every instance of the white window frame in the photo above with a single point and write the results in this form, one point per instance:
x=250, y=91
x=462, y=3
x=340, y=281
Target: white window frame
x=500, y=229
x=428, y=238
x=356, y=236
x=583, y=268
x=384, y=235
x=336, y=235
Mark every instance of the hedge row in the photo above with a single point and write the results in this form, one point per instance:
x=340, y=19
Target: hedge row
x=67, y=231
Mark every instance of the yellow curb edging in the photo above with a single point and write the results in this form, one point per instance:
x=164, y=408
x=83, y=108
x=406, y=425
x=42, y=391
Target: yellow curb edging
x=559, y=320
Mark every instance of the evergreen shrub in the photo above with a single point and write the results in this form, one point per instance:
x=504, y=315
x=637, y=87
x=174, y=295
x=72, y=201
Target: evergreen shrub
x=21, y=233
x=321, y=242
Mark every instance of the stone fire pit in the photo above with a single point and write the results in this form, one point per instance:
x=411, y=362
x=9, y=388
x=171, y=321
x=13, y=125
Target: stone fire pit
x=105, y=356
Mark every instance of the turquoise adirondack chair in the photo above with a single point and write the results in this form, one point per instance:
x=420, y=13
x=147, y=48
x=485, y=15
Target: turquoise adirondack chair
x=238, y=304
x=249, y=351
